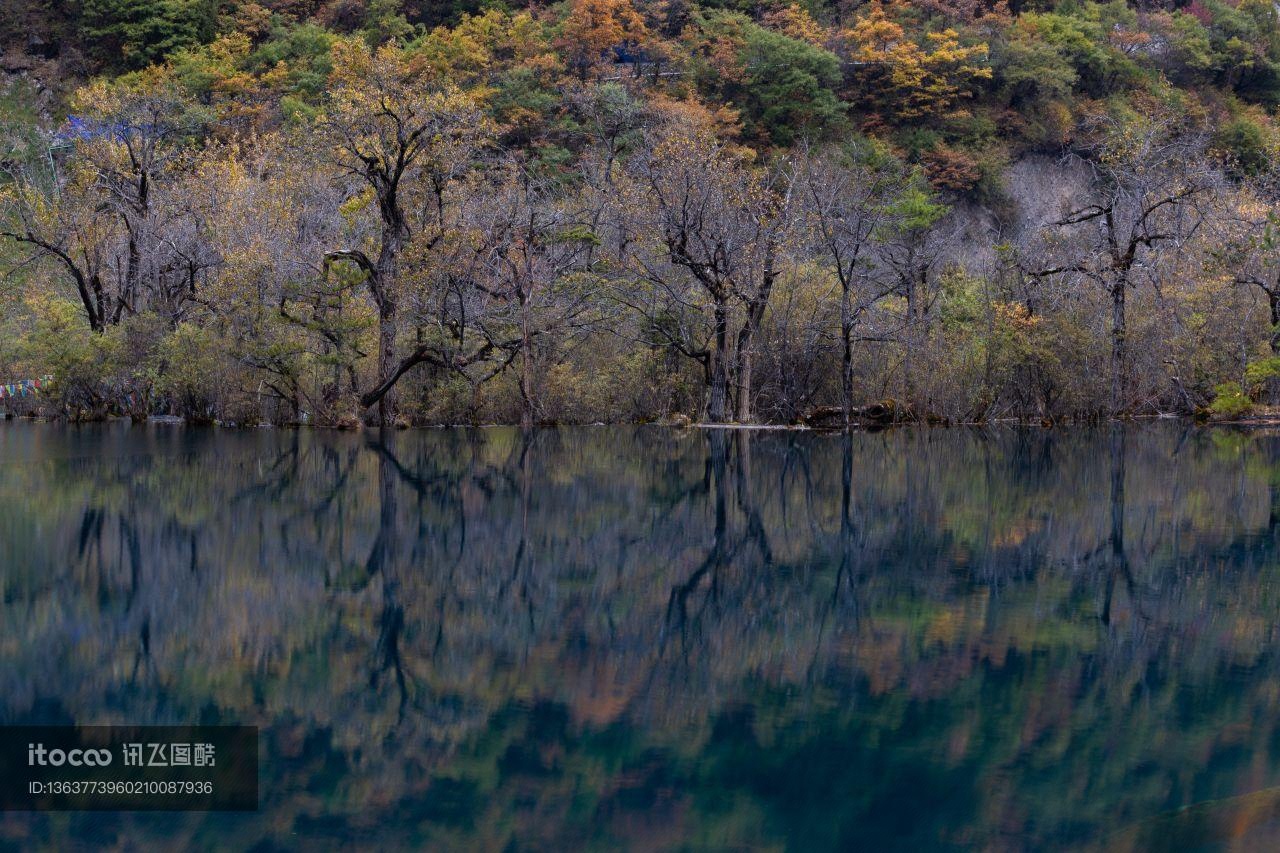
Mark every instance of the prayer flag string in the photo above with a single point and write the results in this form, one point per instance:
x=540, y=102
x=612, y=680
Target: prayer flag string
x=23, y=387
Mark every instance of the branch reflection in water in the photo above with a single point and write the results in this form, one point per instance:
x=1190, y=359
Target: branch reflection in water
x=601, y=637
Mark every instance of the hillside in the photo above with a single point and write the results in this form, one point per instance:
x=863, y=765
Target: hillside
x=604, y=210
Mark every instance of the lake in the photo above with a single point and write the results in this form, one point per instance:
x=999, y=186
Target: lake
x=645, y=638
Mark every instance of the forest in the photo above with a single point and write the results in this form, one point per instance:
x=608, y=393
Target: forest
x=828, y=213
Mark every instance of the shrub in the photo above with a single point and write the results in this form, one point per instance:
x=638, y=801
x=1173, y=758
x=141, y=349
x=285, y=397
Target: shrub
x=1230, y=401
x=1244, y=145
x=192, y=371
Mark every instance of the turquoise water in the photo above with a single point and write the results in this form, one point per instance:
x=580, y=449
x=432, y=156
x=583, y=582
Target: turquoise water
x=648, y=639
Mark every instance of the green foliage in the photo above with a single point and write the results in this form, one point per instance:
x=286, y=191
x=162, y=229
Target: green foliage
x=304, y=50
x=138, y=33
x=384, y=21
x=57, y=341
x=1080, y=38
x=1243, y=50
x=1245, y=144
x=191, y=370
x=917, y=208
x=1230, y=401
x=60, y=343
x=1258, y=372
x=19, y=122
x=784, y=86
x=1189, y=43
x=522, y=102
x=916, y=141
x=789, y=86
x=1031, y=69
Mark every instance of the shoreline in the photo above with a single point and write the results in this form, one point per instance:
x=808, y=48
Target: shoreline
x=1260, y=422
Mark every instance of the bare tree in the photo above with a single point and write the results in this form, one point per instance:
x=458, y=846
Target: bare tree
x=1245, y=243
x=847, y=195
x=535, y=253
x=1151, y=185
x=720, y=225
x=100, y=215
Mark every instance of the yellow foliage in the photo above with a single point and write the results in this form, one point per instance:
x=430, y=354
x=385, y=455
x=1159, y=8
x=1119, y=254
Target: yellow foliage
x=696, y=116
x=910, y=80
x=796, y=22
x=470, y=50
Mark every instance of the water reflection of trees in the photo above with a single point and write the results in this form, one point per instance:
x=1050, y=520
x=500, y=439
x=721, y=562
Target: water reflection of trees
x=1098, y=603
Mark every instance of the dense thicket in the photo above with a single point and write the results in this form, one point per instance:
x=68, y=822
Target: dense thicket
x=605, y=210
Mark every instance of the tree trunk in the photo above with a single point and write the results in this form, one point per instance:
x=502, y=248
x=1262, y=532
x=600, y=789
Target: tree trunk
x=911, y=332
x=747, y=337
x=383, y=282
x=90, y=289
x=1273, y=299
x=388, y=403
x=746, y=340
x=718, y=396
x=526, y=373
x=746, y=360
x=100, y=298
x=129, y=291
x=133, y=270
x=1119, y=331
x=846, y=361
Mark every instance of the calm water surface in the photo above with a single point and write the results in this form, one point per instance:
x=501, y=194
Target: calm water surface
x=639, y=638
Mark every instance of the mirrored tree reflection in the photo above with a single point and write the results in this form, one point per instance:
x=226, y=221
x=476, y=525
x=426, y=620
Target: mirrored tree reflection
x=651, y=638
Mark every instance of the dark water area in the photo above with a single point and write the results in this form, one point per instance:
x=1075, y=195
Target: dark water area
x=639, y=638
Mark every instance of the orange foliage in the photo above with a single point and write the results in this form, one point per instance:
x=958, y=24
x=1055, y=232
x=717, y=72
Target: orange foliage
x=910, y=81
x=594, y=27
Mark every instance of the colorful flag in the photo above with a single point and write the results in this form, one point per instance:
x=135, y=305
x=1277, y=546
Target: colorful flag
x=23, y=387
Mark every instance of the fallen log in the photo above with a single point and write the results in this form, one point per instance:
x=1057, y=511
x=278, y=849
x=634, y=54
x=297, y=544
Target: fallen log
x=832, y=417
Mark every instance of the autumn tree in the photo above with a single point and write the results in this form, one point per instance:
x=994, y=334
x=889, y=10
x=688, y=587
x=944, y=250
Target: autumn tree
x=1246, y=244
x=300, y=333
x=847, y=197
x=1150, y=191
x=536, y=249
x=720, y=225
x=101, y=218
x=912, y=247
x=404, y=137
x=907, y=79
x=593, y=28
x=482, y=46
